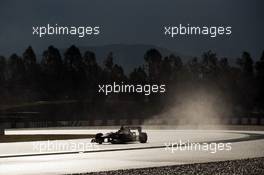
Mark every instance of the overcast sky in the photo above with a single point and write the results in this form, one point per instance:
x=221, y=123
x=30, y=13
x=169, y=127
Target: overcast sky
x=134, y=21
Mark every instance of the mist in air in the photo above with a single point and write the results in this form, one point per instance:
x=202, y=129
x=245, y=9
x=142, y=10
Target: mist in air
x=197, y=107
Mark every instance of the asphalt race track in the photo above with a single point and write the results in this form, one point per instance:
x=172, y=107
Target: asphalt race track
x=164, y=147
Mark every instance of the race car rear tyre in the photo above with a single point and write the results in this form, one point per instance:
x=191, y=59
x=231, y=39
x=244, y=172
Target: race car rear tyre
x=143, y=137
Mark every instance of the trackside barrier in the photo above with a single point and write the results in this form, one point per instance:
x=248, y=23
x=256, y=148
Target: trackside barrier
x=123, y=122
x=244, y=121
x=226, y=121
x=98, y=122
x=154, y=122
x=20, y=125
x=253, y=121
x=5, y=125
x=63, y=123
x=112, y=122
x=262, y=121
x=234, y=121
x=85, y=123
x=135, y=122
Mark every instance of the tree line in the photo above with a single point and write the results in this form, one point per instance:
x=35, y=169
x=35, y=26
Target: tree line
x=74, y=75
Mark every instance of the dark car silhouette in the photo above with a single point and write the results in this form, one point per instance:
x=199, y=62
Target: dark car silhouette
x=123, y=135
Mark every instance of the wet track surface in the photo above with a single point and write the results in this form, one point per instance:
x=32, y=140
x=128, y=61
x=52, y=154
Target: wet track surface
x=20, y=158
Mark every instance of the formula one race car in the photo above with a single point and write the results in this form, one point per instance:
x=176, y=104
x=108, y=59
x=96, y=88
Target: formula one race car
x=123, y=135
